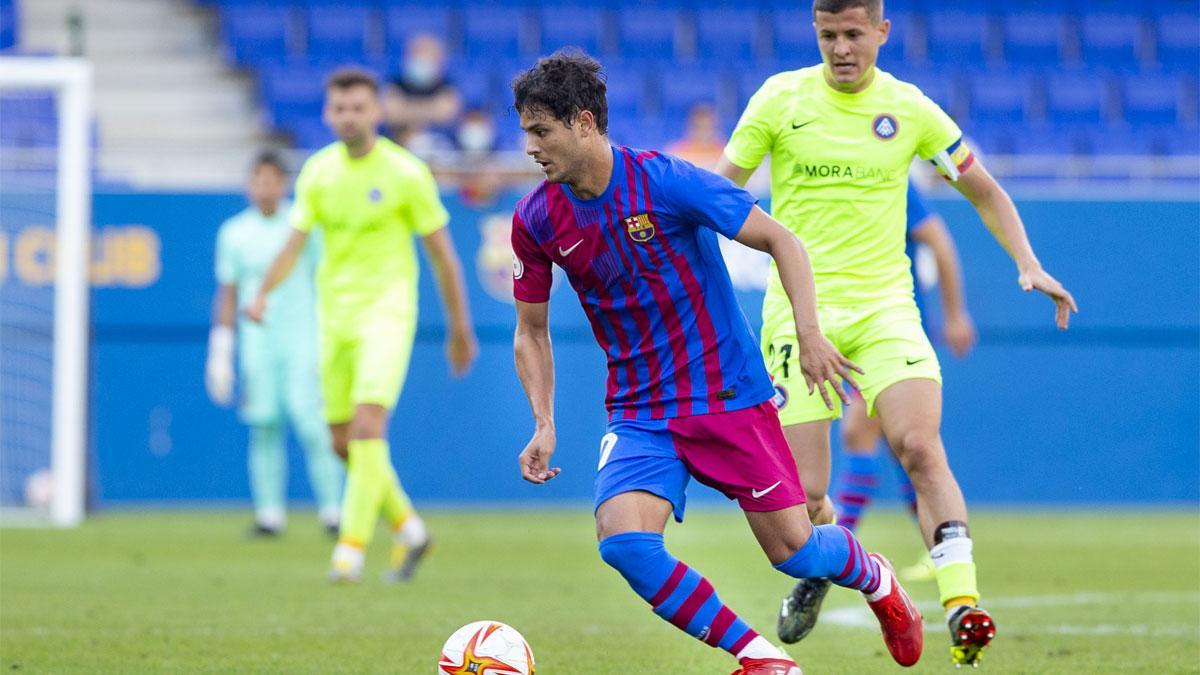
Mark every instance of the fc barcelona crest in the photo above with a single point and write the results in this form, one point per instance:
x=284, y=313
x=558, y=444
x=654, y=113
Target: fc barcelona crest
x=640, y=228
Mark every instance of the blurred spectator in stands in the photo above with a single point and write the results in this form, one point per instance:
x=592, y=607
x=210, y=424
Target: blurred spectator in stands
x=476, y=137
x=420, y=103
x=702, y=141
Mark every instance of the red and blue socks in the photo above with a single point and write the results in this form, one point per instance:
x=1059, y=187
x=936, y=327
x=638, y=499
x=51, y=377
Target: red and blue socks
x=857, y=483
x=832, y=552
x=676, y=592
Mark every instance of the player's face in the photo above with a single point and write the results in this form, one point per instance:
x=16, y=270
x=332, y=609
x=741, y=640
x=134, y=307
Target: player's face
x=353, y=113
x=850, y=43
x=266, y=187
x=552, y=144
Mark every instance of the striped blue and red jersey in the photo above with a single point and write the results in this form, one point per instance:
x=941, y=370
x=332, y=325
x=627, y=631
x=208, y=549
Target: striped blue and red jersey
x=644, y=259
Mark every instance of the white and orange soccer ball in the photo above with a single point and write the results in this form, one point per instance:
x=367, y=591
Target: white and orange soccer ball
x=486, y=648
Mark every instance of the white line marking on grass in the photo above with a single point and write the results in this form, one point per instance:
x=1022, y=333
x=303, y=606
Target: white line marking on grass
x=861, y=617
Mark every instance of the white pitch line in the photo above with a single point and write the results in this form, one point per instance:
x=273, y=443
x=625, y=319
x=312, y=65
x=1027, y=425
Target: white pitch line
x=860, y=617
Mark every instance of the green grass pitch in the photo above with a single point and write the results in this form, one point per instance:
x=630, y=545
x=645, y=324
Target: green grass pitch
x=184, y=592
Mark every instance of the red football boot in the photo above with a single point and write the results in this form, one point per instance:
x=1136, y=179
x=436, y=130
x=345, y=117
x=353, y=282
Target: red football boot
x=903, y=632
x=767, y=667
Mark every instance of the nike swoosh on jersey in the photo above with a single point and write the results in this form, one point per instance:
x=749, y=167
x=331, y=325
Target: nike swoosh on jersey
x=797, y=126
x=568, y=251
x=762, y=493
x=912, y=362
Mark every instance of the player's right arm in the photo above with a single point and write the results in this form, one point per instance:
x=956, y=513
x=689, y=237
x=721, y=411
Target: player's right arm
x=279, y=270
x=820, y=362
x=535, y=366
x=532, y=278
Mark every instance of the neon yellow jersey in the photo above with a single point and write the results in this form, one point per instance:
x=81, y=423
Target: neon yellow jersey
x=369, y=209
x=839, y=173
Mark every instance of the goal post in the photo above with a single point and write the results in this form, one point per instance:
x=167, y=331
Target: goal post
x=68, y=155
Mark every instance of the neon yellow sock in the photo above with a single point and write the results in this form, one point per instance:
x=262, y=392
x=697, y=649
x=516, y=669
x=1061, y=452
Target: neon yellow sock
x=957, y=581
x=366, y=481
x=396, y=504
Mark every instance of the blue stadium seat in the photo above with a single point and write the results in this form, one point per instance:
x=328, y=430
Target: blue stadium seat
x=1033, y=38
x=794, y=36
x=939, y=84
x=476, y=83
x=1080, y=99
x=629, y=95
x=8, y=24
x=495, y=31
x=1111, y=40
x=292, y=93
x=1001, y=97
x=406, y=21
x=1151, y=99
x=1178, y=44
x=646, y=133
x=1051, y=140
x=728, y=34
x=338, y=32
x=256, y=34
x=681, y=87
x=960, y=37
x=648, y=32
x=577, y=26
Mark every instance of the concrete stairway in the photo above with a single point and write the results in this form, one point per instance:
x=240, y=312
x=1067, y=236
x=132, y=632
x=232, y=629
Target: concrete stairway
x=170, y=113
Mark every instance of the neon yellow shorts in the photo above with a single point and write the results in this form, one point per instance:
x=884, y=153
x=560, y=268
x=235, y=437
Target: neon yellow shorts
x=365, y=362
x=886, y=341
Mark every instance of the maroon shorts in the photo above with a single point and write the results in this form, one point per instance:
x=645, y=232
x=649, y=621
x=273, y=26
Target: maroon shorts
x=742, y=453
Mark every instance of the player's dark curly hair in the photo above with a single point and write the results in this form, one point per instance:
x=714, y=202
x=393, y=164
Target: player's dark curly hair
x=564, y=84
x=874, y=7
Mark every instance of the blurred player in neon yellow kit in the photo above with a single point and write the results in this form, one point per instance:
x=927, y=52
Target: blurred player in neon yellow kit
x=370, y=197
x=841, y=137
x=277, y=359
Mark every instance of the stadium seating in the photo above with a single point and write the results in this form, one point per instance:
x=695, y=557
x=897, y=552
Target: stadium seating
x=584, y=27
x=1178, y=44
x=1075, y=69
x=337, y=32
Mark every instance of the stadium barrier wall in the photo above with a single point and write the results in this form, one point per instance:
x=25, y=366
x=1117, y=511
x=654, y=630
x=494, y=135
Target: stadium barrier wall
x=1106, y=412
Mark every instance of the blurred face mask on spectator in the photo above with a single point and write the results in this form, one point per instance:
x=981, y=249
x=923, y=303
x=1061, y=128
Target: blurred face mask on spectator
x=353, y=113
x=476, y=136
x=850, y=43
x=422, y=71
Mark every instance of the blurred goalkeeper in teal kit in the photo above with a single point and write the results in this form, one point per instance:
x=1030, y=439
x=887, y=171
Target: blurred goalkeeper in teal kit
x=277, y=359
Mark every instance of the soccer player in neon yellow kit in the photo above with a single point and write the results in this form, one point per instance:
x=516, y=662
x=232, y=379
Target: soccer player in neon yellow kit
x=277, y=359
x=370, y=197
x=841, y=137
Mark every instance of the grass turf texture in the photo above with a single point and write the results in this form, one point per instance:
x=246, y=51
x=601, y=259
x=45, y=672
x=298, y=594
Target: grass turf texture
x=185, y=592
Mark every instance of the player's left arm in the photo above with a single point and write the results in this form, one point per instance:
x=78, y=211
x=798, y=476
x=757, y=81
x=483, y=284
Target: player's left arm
x=462, y=347
x=958, y=328
x=820, y=361
x=998, y=212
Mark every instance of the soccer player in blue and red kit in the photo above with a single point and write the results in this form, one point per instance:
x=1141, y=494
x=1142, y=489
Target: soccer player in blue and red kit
x=688, y=392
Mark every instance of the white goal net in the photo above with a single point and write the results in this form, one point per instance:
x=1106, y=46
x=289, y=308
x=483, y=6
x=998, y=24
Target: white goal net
x=45, y=225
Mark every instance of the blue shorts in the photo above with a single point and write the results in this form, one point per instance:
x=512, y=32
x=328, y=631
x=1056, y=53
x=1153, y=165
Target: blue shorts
x=740, y=453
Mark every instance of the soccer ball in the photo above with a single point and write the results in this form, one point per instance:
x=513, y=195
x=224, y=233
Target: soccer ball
x=486, y=648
